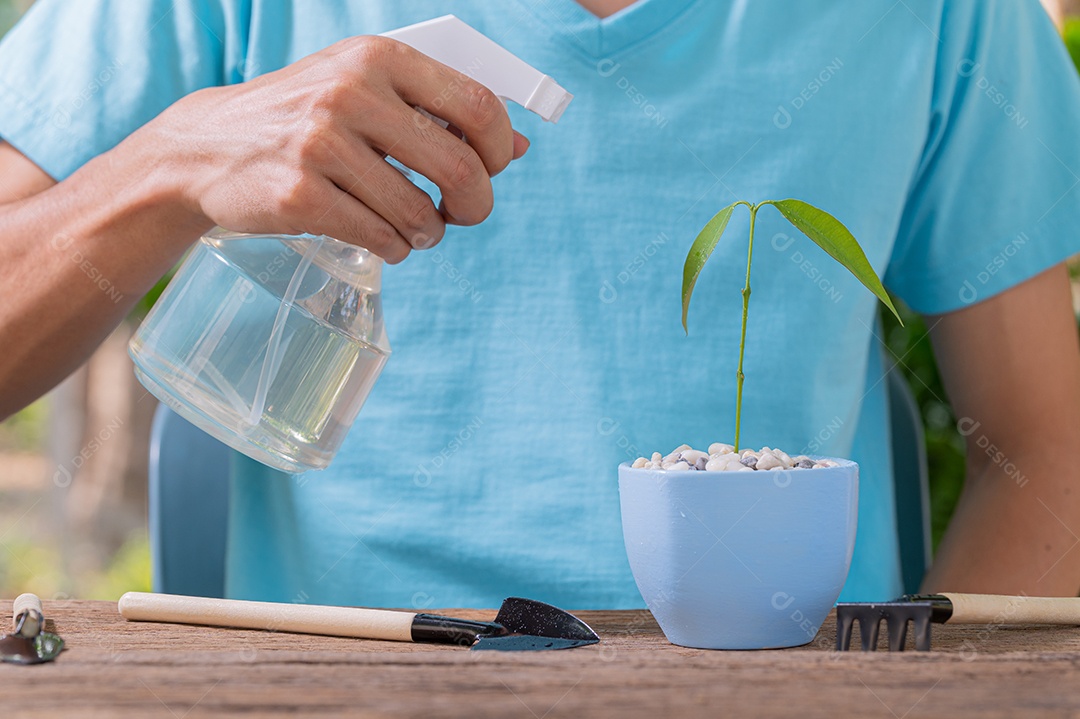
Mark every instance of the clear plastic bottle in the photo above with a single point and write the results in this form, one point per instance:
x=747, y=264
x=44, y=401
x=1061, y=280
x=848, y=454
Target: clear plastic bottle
x=269, y=343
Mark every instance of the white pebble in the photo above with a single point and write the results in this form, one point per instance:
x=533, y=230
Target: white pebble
x=639, y=463
x=715, y=465
x=733, y=460
x=768, y=460
x=749, y=453
x=691, y=456
x=783, y=457
x=678, y=467
x=827, y=463
x=720, y=448
x=656, y=457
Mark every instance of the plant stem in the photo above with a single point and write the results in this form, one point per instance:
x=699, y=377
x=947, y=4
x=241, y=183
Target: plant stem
x=742, y=339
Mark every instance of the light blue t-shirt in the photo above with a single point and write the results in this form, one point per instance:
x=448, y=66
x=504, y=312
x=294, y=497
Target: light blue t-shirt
x=534, y=353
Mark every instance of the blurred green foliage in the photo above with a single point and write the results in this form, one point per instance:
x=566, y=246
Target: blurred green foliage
x=1072, y=38
x=144, y=305
x=909, y=347
x=25, y=431
x=34, y=566
x=129, y=571
x=31, y=566
x=10, y=11
x=27, y=563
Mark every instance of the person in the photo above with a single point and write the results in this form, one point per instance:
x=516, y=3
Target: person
x=538, y=345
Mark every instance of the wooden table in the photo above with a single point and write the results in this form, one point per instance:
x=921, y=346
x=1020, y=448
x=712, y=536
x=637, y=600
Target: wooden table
x=116, y=669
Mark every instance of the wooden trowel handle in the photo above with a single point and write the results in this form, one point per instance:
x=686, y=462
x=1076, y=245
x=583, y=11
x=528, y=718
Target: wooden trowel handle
x=271, y=616
x=27, y=606
x=990, y=609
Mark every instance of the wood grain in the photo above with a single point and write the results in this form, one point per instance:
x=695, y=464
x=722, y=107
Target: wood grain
x=118, y=669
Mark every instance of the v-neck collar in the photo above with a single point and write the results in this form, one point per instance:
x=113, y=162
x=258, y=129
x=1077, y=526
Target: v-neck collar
x=604, y=37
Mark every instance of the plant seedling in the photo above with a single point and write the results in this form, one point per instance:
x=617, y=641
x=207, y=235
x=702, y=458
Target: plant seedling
x=825, y=230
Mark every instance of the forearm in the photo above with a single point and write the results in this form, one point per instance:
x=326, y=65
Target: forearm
x=1015, y=382
x=76, y=258
x=1015, y=528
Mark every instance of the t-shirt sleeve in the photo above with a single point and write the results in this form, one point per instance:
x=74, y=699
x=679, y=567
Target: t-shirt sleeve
x=996, y=198
x=77, y=77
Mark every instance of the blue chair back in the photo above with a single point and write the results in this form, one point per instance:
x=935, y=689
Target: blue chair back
x=911, y=482
x=189, y=507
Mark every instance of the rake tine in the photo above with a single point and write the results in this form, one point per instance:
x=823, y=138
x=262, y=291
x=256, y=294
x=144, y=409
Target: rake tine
x=922, y=634
x=896, y=615
x=843, y=630
x=897, y=626
x=869, y=637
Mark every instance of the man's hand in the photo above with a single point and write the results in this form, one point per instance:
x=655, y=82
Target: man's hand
x=1011, y=365
x=298, y=150
x=302, y=149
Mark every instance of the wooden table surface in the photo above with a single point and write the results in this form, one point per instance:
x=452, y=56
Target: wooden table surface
x=116, y=669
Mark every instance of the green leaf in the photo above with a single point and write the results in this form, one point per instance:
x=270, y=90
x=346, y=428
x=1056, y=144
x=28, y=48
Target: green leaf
x=831, y=235
x=699, y=253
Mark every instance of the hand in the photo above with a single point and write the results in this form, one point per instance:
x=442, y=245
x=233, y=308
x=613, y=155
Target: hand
x=303, y=149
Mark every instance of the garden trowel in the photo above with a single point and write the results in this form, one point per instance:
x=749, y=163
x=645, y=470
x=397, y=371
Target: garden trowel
x=28, y=642
x=521, y=624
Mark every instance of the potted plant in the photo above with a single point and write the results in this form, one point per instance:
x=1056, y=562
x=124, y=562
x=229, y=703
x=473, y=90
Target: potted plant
x=735, y=548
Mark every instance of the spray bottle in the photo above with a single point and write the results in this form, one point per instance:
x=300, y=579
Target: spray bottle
x=272, y=343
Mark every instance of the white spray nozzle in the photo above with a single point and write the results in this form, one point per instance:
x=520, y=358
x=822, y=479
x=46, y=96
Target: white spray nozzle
x=454, y=43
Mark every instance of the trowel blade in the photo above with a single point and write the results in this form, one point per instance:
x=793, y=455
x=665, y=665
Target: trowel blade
x=22, y=650
x=533, y=626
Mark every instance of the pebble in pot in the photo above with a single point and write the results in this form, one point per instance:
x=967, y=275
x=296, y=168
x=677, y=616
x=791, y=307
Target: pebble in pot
x=721, y=457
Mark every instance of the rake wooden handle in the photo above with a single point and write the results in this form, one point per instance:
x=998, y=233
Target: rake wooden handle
x=302, y=618
x=29, y=605
x=990, y=609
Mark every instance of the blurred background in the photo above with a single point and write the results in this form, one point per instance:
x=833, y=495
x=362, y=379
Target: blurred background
x=73, y=465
